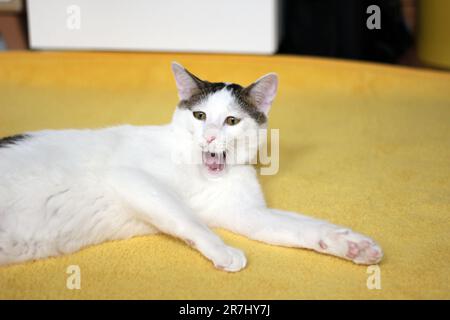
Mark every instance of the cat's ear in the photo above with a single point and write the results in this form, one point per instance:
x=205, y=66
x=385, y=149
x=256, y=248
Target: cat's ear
x=262, y=92
x=187, y=83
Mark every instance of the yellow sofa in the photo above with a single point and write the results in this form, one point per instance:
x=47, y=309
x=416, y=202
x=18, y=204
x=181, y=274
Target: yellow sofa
x=362, y=145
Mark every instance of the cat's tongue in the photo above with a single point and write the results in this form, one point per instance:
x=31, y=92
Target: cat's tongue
x=215, y=162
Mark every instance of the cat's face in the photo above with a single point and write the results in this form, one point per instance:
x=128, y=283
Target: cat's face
x=223, y=119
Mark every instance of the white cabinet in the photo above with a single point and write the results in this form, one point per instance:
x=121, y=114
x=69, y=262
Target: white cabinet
x=229, y=26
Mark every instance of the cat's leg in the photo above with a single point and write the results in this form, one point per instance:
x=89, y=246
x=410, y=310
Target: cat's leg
x=157, y=205
x=290, y=229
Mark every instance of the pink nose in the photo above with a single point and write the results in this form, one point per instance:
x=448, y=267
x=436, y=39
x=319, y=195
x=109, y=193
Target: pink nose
x=210, y=139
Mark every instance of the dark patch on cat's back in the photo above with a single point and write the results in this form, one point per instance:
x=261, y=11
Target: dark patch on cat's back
x=12, y=140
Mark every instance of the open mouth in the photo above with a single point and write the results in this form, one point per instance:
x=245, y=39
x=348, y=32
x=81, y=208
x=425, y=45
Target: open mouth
x=214, y=161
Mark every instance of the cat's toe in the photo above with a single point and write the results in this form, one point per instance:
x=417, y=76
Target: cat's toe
x=369, y=253
x=232, y=260
x=353, y=250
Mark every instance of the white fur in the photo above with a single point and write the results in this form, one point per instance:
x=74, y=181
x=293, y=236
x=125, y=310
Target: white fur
x=63, y=190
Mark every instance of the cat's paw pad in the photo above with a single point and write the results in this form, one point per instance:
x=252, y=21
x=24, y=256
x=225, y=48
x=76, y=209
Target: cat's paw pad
x=352, y=246
x=230, y=259
x=364, y=252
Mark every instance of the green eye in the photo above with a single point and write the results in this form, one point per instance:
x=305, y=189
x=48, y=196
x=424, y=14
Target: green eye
x=199, y=115
x=231, y=121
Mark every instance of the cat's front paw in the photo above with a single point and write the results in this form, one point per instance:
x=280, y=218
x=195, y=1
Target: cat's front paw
x=229, y=259
x=351, y=246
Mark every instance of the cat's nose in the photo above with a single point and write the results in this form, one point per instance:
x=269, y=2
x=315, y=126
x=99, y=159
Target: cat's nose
x=210, y=139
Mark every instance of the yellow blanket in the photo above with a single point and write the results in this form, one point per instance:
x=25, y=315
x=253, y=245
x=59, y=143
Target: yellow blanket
x=362, y=145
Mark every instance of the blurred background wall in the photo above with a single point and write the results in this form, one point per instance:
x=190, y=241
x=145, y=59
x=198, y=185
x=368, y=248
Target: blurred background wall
x=413, y=32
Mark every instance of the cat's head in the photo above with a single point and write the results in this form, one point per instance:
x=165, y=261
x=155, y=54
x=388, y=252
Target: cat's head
x=222, y=118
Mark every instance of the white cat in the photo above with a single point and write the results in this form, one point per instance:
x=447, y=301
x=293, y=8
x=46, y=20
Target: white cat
x=63, y=190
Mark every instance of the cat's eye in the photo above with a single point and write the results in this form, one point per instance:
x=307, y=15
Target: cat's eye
x=199, y=115
x=231, y=121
